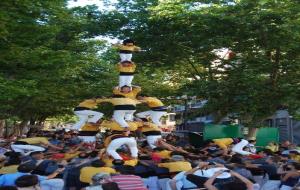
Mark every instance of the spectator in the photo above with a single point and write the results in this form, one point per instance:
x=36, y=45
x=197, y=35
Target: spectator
x=28, y=182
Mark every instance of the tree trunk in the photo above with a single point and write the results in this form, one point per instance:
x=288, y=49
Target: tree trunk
x=252, y=132
x=2, y=127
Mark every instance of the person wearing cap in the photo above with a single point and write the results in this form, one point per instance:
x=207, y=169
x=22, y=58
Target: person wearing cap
x=176, y=164
x=126, y=70
x=124, y=108
x=85, y=110
x=157, y=109
x=115, y=141
x=126, y=49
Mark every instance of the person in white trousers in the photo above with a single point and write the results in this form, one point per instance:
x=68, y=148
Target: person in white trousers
x=238, y=148
x=126, y=49
x=157, y=109
x=116, y=141
x=26, y=149
x=126, y=70
x=124, y=109
x=86, y=114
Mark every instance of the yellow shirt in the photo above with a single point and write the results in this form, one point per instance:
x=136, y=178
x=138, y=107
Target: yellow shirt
x=273, y=148
x=108, y=162
x=120, y=101
x=224, y=142
x=132, y=162
x=114, y=126
x=35, y=140
x=9, y=169
x=176, y=166
x=86, y=173
x=89, y=127
x=135, y=90
x=128, y=48
x=149, y=127
x=296, y=158
x=126, y=69
x=165, y=154
x=89, y=103
x=152, y=102
x=69, y=156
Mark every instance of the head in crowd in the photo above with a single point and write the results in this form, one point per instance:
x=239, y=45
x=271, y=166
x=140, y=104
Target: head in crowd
x=26, y=167
x=28, y=181
x=98, y=163
x=38, y=155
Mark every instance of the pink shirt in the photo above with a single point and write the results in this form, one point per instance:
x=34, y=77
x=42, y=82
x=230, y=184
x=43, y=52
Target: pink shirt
x=129, y=182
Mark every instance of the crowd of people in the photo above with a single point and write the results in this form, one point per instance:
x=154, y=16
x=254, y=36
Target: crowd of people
x=65, y=162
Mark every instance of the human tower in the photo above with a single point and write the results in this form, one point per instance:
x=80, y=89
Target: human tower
x=125, y=98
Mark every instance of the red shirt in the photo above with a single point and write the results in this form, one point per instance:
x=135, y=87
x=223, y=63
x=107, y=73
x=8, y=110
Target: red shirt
x=129, y=182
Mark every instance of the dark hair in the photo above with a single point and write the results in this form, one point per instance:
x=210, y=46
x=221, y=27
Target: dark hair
x=235, y=185
x=8, y=188
x=35, y=153
x=27, y=181
x=118, y=162
x=98, y=163
x=110, y=186
x=117, y=96
x=26, y=168
x=128, y=41
x=296, y=165
x=124, y=86
x=207, y=142
x=126, y=170
x=13, y=161
x=126, y=61
x=252, y=141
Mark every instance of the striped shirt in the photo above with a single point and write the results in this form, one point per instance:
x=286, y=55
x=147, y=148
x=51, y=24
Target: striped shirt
x=129, y=182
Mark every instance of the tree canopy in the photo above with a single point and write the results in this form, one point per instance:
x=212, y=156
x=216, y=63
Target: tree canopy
x=50, y=58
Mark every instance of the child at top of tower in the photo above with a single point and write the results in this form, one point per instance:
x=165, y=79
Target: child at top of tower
x=126, y=69
x=127, y=91
x=126, y=49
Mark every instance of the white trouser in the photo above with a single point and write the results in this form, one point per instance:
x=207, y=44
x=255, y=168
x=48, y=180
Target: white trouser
x=152, y=139
x=125, y=80
x=26, y=149
x=125, y=56
x=117, y=143
x=120, y=115
x=154, y=115
x=52, y=184
x=238, y=148
x=84, y=117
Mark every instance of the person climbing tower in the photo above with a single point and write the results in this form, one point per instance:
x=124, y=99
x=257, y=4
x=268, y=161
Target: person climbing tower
x=86, y=113
x=115, y=141
x=126, y=49
x=124, y=108
x=126, y=69
x=157, y=109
